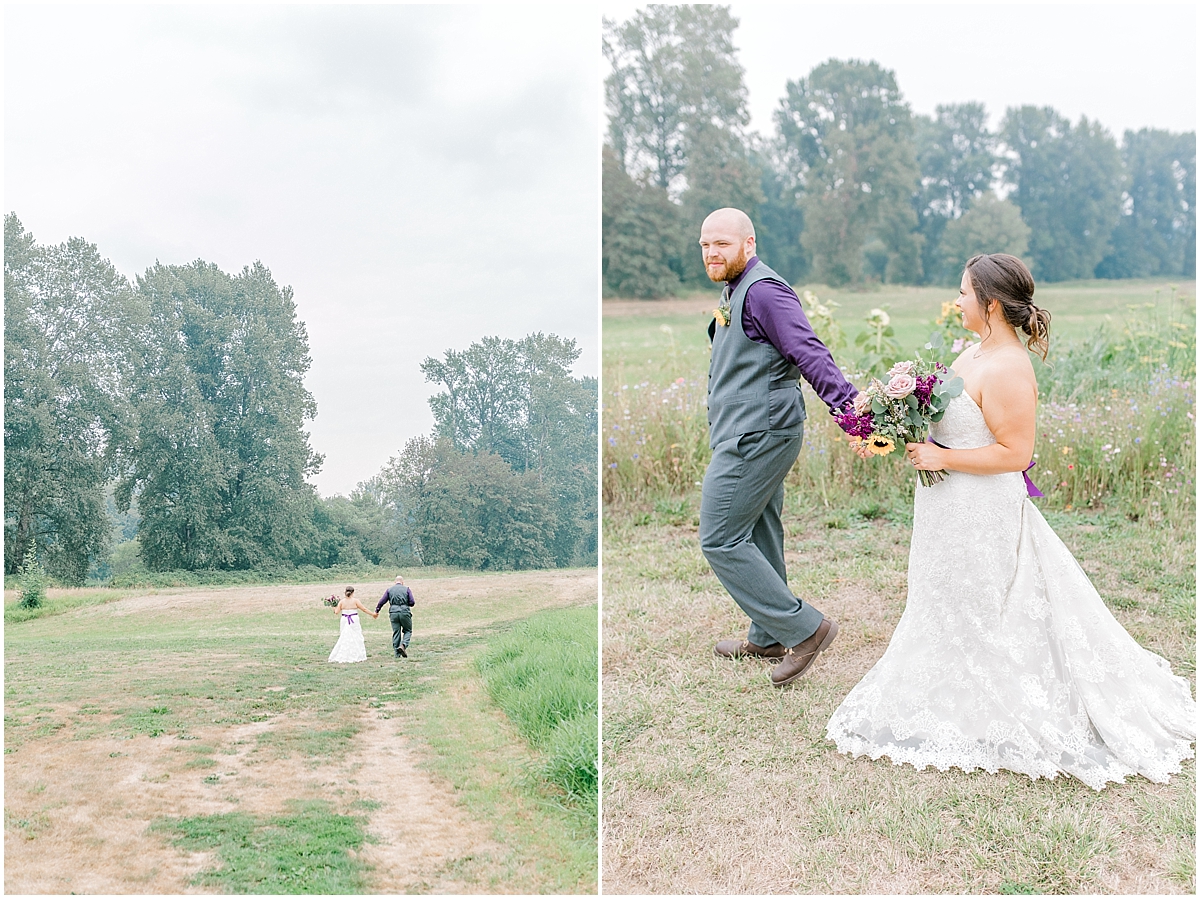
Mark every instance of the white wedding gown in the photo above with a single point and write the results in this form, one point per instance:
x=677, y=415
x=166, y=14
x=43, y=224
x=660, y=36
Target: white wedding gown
x=350, y=646
x=1005, y=656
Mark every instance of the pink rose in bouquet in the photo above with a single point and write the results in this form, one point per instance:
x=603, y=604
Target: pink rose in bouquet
x=900, y=386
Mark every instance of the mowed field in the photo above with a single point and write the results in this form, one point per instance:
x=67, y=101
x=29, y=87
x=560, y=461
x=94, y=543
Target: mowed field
x=152, y=738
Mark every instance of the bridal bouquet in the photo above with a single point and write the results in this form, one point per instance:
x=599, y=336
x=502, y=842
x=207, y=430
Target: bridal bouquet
x=330, y=600
x=917, y=392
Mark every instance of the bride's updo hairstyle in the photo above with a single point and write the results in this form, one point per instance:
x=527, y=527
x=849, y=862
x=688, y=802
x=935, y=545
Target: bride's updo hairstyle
x=1006, y=279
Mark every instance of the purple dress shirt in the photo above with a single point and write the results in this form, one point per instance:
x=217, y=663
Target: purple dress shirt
x=772, y=314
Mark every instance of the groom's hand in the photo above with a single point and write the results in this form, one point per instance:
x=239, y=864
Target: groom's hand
x=859, y=446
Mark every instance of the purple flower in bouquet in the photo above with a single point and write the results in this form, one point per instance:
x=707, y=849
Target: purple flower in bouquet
x=855, y=423
x=924, y=389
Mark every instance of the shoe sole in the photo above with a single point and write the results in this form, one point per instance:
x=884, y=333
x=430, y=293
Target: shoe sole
x=833, y=629
x=747, y=655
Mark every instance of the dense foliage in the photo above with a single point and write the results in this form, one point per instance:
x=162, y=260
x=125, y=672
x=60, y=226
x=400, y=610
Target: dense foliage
x=158, y=427
x=853, y=188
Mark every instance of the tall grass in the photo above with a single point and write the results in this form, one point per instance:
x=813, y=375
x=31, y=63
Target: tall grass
x=1116, y=427
x=543, y=674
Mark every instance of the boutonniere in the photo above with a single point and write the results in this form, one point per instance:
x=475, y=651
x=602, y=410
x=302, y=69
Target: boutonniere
x=721, y=314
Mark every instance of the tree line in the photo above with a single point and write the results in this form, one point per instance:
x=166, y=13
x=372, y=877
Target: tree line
x=852, y=187
x=165, y=418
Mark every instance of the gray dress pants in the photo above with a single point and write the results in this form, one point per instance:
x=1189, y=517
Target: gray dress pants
x=741, y=534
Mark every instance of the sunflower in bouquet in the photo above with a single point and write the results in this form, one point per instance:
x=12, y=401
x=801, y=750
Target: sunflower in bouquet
x=900, y=410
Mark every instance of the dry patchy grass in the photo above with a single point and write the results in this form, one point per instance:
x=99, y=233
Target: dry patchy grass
x=192, y=702
x=716, y=782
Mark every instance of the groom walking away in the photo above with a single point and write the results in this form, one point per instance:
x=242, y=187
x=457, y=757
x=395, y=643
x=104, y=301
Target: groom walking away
x=762, y=344
x=402, y=601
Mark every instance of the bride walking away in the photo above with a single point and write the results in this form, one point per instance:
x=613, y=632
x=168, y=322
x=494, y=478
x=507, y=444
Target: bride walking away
x=350, y=646
x=1006, y=656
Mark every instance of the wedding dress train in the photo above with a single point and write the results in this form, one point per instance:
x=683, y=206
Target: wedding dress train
x=1005, y=656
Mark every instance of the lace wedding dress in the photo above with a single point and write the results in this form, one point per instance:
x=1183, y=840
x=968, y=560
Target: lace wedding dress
x=1005, y=656
x=350, y=646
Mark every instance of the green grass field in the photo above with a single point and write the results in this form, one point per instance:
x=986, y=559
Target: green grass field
x=198, y=738
x=715, y=782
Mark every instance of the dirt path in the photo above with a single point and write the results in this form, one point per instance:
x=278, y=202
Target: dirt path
x=424, y=836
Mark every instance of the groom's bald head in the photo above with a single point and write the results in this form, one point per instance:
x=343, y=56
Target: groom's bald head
x=726, y=243
x=729, y=220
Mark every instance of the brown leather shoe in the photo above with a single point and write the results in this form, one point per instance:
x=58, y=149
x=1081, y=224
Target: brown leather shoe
x=798, y=659
x=735, y=649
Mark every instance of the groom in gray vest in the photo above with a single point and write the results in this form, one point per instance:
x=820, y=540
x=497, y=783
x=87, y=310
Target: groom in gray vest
x=762, y=344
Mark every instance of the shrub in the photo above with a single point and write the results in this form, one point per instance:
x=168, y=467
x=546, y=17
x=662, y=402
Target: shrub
x=32, y=581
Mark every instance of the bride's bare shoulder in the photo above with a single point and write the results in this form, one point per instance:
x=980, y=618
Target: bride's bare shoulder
x=1009, y=372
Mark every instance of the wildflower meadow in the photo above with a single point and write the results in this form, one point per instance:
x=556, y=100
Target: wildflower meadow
x=1116, y=421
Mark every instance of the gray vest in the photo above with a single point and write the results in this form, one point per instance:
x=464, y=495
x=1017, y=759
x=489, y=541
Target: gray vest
x=751, y=387
x=398, y=599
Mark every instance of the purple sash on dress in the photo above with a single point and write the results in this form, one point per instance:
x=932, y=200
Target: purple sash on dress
x=1030, y=487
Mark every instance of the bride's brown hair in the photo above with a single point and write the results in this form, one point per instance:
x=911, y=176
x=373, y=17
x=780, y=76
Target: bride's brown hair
x=1007, y=280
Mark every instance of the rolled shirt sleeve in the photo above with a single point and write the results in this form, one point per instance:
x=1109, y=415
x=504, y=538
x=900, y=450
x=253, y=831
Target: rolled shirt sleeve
x=772, y=314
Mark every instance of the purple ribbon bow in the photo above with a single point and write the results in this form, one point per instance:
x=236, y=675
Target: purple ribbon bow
x=1030, y=487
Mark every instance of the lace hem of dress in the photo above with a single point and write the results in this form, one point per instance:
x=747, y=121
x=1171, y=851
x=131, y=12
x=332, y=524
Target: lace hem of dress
x=986, y=758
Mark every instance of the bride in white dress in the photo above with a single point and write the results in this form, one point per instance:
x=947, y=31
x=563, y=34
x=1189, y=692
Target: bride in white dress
x=350, y=646
x=1005, y=656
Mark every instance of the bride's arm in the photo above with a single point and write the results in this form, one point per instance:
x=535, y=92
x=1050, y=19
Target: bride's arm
x=1009, y=406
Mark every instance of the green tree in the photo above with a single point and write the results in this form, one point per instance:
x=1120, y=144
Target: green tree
x=1156, y=234
x=721, y=172
x=352, y=530
x=957, y=157
x=847, y=133
x=642, y=235
x=222, y=455
x=780, y=219
x=674, y=77
x=472, y=510
x=67, y=320
x=991, y=225
x=1068, y=182
x=518, y=401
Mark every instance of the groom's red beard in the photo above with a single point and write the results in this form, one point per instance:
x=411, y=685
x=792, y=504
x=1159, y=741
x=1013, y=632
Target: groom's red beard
x=730, y=269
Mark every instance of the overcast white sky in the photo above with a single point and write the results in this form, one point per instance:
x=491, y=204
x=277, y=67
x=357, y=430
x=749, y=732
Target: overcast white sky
x=422, y=176
x=1129, y=66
